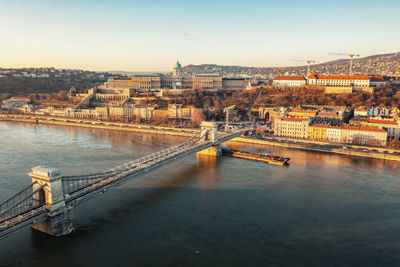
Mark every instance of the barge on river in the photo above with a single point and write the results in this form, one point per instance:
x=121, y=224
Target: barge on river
x=267, y=158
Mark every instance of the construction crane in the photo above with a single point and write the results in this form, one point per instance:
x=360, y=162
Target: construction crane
x=308, y=61
x=227, y=116
x=351, y=60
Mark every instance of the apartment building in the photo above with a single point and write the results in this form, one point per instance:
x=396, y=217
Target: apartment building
x=289, y=81
x=347, y=134
x=391, y=126
x=291, y=127
x=362, y=134
x=317, y=132
x=346, y=80
x=176, y=111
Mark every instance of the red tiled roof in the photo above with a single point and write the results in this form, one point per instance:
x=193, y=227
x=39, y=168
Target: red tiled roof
x=338, y=77
x=289, y=78
x=319, y=125
x=376, y=79
x=177, y=105
x=313, y=75
x=304, y=111
x=347, y=127
x=293, y=119
x=360, y=109
x=383, y=121
x=364, y=128
x=360, y=119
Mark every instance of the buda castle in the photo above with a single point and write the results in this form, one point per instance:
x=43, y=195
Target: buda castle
x=176, y=81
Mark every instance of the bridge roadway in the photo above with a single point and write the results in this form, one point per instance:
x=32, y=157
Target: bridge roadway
x=22, y=210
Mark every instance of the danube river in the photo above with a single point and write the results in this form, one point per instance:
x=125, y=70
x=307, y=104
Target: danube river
x=321, y=210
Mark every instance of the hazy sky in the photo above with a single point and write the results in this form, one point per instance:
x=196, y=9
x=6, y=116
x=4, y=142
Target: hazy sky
x=150, y=35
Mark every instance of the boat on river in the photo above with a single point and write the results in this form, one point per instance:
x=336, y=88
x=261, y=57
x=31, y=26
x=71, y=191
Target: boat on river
x=263, y=157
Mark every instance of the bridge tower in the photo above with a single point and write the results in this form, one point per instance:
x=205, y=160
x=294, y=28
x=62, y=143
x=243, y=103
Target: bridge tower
x=209, y=130
x=59, y=218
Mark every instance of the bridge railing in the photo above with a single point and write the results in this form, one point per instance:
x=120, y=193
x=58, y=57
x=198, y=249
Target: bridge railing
x=19, y=203
x=230, y=135
x=74, y=183
x=97, y=186
x=31, y=215
x=130, y=164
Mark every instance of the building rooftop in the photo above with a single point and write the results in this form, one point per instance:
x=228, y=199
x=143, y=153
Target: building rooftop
x=293, y=119
x=304, y=111
x=360, y=109
x=363, y=128
x=383, y=121
x=239, y=79
x=348, y=127
x=289, y=78
x=20, y=98
x=376, y=79
x=319, y=125
x=314, y=75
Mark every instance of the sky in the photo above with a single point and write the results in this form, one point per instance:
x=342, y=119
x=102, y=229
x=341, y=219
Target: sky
x=122, y=35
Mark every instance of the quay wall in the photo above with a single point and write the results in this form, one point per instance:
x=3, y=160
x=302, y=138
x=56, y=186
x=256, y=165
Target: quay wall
x=342, y=151
x=123, y=127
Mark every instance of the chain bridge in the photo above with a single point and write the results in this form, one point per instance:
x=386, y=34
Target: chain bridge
x=46, y=203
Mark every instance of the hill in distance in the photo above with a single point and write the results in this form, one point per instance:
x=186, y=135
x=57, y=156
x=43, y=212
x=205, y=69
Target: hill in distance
x=383, y=64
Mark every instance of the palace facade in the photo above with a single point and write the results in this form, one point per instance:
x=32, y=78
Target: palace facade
x=178, y=80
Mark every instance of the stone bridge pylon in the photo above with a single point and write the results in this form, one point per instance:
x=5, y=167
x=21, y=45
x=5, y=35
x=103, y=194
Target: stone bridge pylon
x=210, y=133
x=52, y=195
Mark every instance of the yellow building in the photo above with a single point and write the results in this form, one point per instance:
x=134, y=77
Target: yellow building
x=317, y=132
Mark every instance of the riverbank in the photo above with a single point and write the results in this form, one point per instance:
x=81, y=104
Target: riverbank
x=307, y=145
x=344, y=149
x=140, y=128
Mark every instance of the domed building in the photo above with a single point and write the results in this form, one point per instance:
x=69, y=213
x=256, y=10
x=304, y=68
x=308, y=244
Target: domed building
x=146, y=82
x=177, y=69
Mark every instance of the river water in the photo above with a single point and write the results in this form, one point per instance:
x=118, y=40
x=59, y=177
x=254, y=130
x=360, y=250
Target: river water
x=321, y=210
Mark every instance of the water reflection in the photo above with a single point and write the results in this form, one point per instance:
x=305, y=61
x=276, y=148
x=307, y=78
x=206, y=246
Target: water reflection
x=209, y=176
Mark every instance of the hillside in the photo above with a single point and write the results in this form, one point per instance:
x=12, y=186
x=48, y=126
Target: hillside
x=383, y=64
x=47, y=80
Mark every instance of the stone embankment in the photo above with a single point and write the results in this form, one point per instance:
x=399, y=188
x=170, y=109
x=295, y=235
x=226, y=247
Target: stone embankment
x=323, y=147
x=140, y=128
